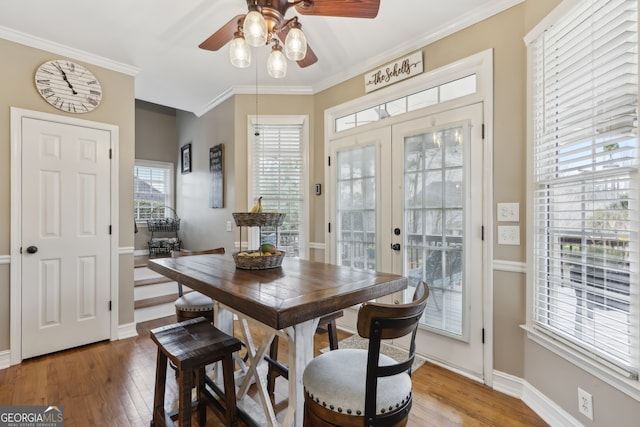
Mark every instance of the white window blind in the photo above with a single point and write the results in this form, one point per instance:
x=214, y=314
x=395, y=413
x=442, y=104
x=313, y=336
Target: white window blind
x=585, y=161
x=153, y=188
x=277, y=168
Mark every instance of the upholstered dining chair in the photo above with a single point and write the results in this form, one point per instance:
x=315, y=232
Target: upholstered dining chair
x=194, y=304
x=352, y=387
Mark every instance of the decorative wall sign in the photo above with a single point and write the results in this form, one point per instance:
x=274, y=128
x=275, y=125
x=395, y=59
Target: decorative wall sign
x=185, y=158
x=216, y=176
x=394, y=72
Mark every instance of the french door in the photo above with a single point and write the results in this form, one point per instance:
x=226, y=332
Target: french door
x=408, y=200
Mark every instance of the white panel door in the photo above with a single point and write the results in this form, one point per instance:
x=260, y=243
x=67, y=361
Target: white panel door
x=65, y=236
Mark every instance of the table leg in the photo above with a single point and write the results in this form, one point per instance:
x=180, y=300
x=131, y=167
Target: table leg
x=300, y=354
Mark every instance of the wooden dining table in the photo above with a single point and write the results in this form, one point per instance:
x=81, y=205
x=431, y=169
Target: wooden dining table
x=286, y=300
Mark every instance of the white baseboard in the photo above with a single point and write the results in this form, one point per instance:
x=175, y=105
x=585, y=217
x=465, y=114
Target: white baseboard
x=507, y=384
x=5, y=359
x=127, y=331
x=546, y=409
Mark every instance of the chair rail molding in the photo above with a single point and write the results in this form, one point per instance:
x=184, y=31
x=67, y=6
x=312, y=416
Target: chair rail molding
x=509, y=266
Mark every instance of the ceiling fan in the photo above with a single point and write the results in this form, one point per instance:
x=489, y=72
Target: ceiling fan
x=265, y=23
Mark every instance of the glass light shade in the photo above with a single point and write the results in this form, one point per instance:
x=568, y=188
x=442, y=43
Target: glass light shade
x=255, y=29
x=277, y=63
x=240, y=52
x=295, y=45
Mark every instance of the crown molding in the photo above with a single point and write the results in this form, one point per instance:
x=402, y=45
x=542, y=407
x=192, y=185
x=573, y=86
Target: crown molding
x=60, y=49
x=433, y=35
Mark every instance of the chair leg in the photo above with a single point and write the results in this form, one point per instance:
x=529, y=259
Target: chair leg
x=271, y=373
x=229, y=391
x=332, y=331
x=185, y=384
x=202, y=403
x=158, y=394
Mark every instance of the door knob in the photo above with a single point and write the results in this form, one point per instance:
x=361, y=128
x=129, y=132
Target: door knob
x=395, y=246
x=32, y=249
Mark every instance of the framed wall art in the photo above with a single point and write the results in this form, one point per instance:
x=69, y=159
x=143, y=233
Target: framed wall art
x=185, y=158
x=216, y=176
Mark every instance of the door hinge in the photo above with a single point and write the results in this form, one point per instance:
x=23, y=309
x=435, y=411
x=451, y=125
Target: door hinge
x=329, y=227
x=110, y=153
x=329, y=161
x=482, y=232
x=109, y=229
x=483, y=131
x=110, y=307
x=482, y=335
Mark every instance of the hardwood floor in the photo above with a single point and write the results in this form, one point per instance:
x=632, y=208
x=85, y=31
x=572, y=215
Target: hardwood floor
x=111, y=384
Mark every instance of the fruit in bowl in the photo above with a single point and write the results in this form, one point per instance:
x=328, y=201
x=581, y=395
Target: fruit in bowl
x=268, y=247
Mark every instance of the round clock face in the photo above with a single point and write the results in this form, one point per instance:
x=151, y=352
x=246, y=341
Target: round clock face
x=68, y=86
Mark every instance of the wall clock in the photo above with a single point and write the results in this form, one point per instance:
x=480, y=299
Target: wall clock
x=68, y=86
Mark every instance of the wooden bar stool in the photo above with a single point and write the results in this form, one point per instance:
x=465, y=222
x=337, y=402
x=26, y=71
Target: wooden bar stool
x=194, y=304
x=191, y=345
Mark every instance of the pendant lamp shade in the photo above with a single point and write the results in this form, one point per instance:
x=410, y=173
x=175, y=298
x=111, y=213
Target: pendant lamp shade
x=295, y=45
x=255, y=29
x=240, y=52
x=277, y=63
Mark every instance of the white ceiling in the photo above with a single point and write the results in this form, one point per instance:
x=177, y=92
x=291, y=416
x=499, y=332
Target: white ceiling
x=157, y=41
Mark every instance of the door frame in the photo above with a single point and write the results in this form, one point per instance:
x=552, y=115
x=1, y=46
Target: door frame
x=482, y=65
x=17, y=116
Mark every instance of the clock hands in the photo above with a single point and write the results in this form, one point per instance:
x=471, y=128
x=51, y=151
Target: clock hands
x=64, y=77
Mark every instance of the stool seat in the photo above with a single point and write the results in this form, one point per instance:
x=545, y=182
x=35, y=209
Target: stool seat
x=194, y=301
x=191, y=345
x=194, y=304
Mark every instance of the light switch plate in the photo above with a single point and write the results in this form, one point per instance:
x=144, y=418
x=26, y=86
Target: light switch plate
x=509, y=212
x=508, y=234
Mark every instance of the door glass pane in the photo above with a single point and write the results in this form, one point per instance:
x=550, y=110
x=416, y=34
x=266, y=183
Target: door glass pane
x=433, y=206
x=356, y=218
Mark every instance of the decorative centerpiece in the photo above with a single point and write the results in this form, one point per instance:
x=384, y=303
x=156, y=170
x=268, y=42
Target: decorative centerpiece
x=267, y=255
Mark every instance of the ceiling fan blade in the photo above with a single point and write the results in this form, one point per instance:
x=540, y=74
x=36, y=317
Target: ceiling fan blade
x=345, y=8
x=223, y=35
x=309, y=59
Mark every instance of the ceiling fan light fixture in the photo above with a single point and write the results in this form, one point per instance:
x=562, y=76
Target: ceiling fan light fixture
x=277, y=63
x=239, y=51
x=295, y=45
x=255, y=27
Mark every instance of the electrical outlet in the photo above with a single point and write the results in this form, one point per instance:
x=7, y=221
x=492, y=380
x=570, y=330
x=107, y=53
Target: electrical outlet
x=585, y=403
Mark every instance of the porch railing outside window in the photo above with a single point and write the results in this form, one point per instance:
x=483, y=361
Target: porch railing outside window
x=585, y=179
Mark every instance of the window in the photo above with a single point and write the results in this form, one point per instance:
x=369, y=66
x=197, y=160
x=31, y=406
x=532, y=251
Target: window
x=584, y=73
x=153, y=188
x=277, y=174
x=444, y=92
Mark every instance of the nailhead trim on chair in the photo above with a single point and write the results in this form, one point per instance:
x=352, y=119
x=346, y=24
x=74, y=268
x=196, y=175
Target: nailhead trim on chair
x=322, y=366
x=194, y=301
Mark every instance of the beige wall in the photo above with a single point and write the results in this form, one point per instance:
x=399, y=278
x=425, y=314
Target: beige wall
x=202, y=226
x=117, y=108
x=157, y=140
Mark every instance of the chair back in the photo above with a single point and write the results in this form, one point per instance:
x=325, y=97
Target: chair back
x=177, y=254
x=379, y=322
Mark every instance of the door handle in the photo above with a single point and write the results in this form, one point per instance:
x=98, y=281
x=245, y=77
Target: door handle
x=32, y=249
x=395, y=246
